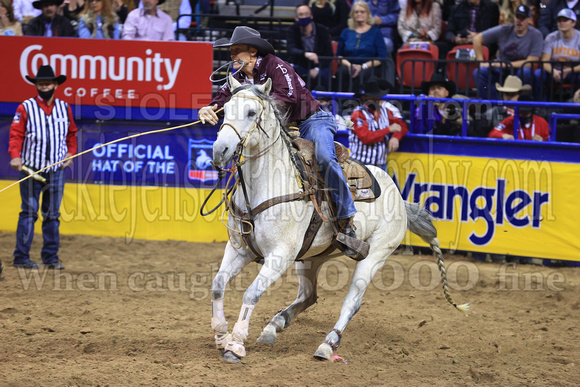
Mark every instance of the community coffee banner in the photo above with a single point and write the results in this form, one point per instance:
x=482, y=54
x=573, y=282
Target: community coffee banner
x=119, y=73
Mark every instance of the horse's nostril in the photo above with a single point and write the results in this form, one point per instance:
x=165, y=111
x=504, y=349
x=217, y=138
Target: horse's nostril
x=225, y=151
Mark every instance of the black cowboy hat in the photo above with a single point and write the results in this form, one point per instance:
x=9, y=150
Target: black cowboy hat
x=38, y=4
x=47, y=73
x=249, y=36
x=374, y=88
x=438, y=79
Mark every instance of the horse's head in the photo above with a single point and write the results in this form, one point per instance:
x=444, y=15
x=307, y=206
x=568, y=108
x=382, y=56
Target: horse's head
x=243, y=115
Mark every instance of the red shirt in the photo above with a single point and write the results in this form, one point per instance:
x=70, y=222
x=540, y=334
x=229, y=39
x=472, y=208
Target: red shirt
x=367, y=136
x=538, y=126
x=18, y=129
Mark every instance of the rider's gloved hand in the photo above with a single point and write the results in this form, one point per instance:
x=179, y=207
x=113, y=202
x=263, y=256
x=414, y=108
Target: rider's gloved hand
x=207, y=114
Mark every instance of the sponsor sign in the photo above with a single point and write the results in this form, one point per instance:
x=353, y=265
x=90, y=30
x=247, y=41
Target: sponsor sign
x=107, y=73
x=504, y=206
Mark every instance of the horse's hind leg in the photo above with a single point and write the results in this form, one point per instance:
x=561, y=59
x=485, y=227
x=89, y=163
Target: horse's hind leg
x=307, y=272
x=363, y=274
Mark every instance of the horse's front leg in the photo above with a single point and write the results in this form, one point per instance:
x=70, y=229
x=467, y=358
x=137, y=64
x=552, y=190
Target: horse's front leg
x=275, y=264
x=232, y=264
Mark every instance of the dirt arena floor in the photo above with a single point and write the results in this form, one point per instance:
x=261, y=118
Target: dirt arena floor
x=138, y=313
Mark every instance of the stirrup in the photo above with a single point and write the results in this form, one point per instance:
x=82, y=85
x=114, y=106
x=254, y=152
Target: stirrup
x=352, y=247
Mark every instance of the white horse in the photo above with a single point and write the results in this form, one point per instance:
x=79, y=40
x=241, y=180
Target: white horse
x=252, y=128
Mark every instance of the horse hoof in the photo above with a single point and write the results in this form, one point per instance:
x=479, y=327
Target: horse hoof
x=324, y=352
x=231, y=358
x=267, y=337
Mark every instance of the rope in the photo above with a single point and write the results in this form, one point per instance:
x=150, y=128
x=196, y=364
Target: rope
x=102, y=145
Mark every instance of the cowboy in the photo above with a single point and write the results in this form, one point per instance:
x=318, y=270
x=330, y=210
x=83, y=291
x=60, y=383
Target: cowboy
x=49, y=23
x=42, y=134
x=439, y=117
x=376, y=130
x=255, y=62
x=532, y=127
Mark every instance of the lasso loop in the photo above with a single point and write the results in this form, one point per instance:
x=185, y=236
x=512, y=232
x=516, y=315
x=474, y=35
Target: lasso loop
x=228, y=71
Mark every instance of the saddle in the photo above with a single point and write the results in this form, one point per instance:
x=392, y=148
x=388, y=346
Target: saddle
x=361, y=182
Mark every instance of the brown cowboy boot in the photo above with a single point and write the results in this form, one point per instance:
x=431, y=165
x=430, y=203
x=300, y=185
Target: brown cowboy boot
x=347, y=242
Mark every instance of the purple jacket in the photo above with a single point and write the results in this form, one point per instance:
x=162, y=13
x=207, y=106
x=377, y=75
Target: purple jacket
x=287, y=87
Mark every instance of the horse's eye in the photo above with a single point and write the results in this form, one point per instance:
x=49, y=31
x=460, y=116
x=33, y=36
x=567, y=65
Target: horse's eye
x=251, y=113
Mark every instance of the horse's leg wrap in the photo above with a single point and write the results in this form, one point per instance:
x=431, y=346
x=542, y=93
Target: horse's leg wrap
x=240, y=332
x=219, y=324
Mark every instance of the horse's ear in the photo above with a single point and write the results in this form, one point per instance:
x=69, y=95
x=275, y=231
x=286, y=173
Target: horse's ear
x=234, y=84
x=266, y=87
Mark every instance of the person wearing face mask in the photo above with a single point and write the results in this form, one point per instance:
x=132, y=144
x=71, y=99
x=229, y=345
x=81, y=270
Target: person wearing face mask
x=532, y=127
x=376, y=131
x=306, y=42
x=439, y=117
x=49, y=23
x=42, y=133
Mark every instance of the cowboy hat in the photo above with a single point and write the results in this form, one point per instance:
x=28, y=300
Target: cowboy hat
x=512, y=84
x=249, y=36
x=45, y=73
x=38, y=4
x=373, y=88
x=438, y=79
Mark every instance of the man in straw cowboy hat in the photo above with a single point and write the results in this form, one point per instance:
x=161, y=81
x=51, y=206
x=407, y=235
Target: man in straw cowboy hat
x=376, y=130
x=256, y=62
x=49, y=23
x=42, y=133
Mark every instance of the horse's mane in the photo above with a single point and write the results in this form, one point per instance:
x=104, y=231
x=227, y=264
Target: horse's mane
x=282, y=117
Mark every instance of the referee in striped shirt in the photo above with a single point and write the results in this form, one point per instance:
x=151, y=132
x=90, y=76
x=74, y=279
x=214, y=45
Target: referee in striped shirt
x=42, y=133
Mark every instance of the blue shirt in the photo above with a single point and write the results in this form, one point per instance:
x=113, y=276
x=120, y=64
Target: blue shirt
x=367, y=45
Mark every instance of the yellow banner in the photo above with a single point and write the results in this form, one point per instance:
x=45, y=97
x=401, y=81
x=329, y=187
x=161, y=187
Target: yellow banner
x=158, y=213
x=516, y=207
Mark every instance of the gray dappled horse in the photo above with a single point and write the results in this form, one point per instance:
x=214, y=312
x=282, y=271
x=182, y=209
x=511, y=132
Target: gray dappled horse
x=253, y=129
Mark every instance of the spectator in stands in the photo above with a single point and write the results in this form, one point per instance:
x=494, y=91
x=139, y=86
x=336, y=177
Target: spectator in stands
x=148, y=23
x=306, y=41
x=549, y=16
x=385, y=14
x=562, y=46
x=518, y=43
x=510, y=91
x=175, y=8
x=72, y=10
x=122, y=9
x=420, y=21
x=49, y=23
x=361, y=40
x=467, y=19
x=376, y=131
x=532, y=127
x=507, y=11
x=9, y=26
x=438, y=117
x=331, y=13
x=99, y=21
x=24, y=11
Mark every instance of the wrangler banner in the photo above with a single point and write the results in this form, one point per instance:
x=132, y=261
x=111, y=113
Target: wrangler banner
x=503, y=206
x=112, y=73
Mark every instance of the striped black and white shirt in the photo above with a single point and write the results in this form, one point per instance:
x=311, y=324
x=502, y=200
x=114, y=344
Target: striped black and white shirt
x=42, y=135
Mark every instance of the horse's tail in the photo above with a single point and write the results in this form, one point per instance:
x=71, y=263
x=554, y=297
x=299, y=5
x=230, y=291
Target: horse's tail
x=419, y=222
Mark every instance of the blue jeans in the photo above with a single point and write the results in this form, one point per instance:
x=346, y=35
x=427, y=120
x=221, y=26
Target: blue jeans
x=30, y=192
x=320, y=128
x=486, y=78
x=542, y=78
